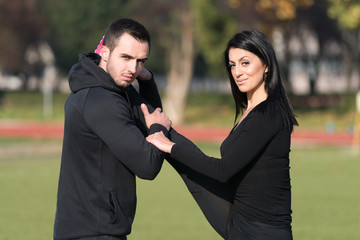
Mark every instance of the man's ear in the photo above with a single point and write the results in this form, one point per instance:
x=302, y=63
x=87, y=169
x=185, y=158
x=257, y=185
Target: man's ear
x=104, y=53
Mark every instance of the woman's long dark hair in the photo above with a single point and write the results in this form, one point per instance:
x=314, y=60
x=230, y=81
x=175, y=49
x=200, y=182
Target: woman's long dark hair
x=257, y=43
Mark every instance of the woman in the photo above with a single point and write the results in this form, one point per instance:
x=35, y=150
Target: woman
x=245, y=194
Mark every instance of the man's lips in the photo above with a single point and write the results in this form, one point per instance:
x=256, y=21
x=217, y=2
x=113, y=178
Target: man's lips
x=128, y=77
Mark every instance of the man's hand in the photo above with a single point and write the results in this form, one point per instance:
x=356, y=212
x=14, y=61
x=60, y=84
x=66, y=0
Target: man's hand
x=156, y=117
x=145, y=75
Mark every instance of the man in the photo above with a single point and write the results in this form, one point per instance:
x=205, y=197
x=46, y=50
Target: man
x=104, y=145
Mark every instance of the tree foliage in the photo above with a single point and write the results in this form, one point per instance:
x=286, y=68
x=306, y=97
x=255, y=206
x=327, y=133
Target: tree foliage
x=279, y=9
x=267, y=14
x=77, y=26
x=172, y=26
x=183, y=31
x=214, y=26
x=347, y=13
x=72, y=27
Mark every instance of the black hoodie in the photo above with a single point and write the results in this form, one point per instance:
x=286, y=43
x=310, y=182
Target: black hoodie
x=103, y=149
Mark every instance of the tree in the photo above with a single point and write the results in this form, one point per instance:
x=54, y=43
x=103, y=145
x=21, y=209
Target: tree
x=347, y=14
x=214, y=26
x=21, y=27
x=184, y=30
x=171, y=25
x=181, y=59
x=206, y=28
x=77, y=26
x=326, y=32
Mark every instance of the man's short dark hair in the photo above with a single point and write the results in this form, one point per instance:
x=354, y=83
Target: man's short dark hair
x=125, y=25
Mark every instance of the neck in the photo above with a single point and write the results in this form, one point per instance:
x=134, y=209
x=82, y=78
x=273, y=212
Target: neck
x=255, y=98
x=102, y=64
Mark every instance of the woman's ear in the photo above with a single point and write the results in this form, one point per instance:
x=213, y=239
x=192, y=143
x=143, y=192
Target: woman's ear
x=266, y=69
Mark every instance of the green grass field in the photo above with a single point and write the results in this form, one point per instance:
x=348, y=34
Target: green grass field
x=325, y=184
x=325, y=180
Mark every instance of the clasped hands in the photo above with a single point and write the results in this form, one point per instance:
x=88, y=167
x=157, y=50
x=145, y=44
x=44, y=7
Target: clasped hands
x=158, y=139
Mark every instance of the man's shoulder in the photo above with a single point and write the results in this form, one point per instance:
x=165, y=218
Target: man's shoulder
x=100, y=100
x=99, y=94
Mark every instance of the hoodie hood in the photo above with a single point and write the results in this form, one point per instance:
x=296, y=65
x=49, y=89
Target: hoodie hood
x=87, y=74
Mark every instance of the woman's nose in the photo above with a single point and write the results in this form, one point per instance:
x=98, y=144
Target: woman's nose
x=237, y=71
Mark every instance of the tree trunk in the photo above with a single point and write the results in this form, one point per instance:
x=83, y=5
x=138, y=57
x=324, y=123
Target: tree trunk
x=351, y=58
x=180, y=72
x=356, y=63
x=2, y=93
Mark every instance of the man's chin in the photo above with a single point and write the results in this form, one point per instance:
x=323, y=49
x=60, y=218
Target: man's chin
x=124, y=83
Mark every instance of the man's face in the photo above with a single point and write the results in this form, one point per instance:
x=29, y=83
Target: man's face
x=126, y=61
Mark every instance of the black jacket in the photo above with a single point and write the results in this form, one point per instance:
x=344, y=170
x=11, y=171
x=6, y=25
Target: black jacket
x=103, y=149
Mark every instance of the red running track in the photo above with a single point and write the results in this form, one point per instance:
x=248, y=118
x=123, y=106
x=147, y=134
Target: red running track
x=36, y=130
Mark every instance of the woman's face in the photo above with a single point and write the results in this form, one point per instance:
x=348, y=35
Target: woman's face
x=247, y=70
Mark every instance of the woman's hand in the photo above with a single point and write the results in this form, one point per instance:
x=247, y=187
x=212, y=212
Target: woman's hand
x=160, y=141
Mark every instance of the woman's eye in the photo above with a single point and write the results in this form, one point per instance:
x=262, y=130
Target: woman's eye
x=231, y=65
x=245, y=63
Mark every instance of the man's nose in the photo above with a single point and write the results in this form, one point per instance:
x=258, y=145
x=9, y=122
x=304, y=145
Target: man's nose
x=132, y=66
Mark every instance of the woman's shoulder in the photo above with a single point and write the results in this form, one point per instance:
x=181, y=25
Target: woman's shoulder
x=276, y=112
x=269, y=106
x=270, y=111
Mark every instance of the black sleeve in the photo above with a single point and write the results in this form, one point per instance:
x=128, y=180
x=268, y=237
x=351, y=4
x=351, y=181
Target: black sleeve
x=148, y=94
x=111, y=119
x=148, y=90
x=254, y=134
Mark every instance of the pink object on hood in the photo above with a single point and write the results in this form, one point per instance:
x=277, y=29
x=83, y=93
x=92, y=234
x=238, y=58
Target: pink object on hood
x=97, y=50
